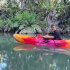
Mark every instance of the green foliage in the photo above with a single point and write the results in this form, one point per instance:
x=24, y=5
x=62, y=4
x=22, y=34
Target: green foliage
x=16, y=24
x=33, y=27
x=31, y=14
x=43, y=23
x=68, y=2
x=60, y=9
x=9, y=22
x=19, y=16
x=50, y=6
x=45, y=4
x=26, y=18
x=1, y=22
x=10, y=8
x=69, y=21
x=29, y=17
x=30, y=6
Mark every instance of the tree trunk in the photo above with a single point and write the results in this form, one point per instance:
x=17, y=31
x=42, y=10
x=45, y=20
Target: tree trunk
x=22, y=4
x=65, y=1
x=51, y=17
x=13, y=1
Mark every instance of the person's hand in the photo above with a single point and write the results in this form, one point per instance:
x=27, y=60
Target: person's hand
x=43, y=36
x=46, y=36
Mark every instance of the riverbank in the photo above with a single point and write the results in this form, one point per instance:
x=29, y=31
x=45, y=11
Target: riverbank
x=34, y=29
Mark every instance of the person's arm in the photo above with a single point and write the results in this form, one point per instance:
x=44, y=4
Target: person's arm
x=48, y=37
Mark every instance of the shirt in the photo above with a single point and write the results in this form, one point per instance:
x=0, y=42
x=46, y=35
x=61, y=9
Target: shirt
x=56, y=35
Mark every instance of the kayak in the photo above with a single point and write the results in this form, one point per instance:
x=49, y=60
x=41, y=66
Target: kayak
x=39, y=41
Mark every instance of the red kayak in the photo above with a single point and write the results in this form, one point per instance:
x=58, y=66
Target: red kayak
x=39, y=41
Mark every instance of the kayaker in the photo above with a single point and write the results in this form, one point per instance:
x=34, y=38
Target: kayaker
x=55, y=34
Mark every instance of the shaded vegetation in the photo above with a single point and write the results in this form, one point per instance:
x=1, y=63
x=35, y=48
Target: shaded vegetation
x=26, y=13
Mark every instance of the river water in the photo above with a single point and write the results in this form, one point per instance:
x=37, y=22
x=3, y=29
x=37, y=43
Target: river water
x=17, y=56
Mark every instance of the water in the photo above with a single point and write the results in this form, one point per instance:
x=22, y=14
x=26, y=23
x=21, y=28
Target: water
x=16, y=56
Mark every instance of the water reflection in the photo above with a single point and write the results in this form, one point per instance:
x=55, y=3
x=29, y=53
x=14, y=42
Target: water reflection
x=21, y=46
x=3, y=64
x=29, y=57
x=43, y=58
x=28, y=47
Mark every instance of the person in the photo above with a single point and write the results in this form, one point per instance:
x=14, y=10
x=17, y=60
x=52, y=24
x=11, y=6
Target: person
x=55, y=34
